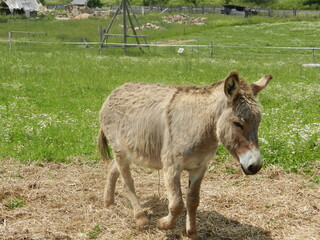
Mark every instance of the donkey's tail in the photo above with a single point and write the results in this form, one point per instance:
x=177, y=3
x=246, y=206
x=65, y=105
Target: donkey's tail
x=103, y=147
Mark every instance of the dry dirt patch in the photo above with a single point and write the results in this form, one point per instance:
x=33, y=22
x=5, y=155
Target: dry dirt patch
x=171, y=42
x=64, y=201
x=184, y=19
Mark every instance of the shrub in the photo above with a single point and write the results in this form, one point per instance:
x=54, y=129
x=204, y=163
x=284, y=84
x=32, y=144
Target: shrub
x=94, y=3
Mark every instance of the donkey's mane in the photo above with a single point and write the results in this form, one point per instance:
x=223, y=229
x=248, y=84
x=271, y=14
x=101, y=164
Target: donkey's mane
x=199, y=89
x=245, y=89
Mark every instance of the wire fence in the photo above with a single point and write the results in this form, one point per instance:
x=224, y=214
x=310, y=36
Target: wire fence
x=189, y=48
x=209, y=50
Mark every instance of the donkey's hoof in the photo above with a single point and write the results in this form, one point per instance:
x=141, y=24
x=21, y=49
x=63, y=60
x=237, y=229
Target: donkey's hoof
x=194, y=236
x=110, y=204
x=142, y=221
x=165, y=224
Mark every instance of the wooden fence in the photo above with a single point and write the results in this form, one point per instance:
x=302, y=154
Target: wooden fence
x=204, y=10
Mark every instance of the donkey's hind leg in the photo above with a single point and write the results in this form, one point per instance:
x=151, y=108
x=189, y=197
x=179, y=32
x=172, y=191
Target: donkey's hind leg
x=124, y=168
x=113, y=174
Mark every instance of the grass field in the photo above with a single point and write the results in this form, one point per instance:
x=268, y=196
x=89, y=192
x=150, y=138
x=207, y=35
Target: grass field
x=51, y=95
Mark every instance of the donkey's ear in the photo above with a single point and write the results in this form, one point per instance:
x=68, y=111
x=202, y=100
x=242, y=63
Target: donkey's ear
x=261, y=84
x=231, y=85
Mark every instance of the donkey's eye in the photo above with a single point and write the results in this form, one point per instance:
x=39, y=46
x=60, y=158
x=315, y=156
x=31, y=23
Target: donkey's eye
x=238, y=125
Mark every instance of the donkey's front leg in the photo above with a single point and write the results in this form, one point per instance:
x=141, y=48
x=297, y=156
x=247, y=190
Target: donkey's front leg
x=195, y=179
x=176, y=205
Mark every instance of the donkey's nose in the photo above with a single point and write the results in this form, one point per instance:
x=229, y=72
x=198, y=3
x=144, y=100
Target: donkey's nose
x=254, y=168
x=251, y=162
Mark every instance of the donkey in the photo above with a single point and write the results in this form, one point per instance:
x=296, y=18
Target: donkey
x=176, y=128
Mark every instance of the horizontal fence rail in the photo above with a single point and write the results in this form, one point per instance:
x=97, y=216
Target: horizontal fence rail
x=210, y=48
x=159, y=45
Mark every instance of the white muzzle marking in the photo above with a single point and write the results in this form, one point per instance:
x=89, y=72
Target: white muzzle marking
x=251, y=161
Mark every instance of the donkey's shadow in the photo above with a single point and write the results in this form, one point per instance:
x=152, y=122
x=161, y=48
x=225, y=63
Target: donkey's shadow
x=211, y=225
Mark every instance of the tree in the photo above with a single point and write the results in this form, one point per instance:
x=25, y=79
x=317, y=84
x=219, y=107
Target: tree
x=261, y=2
x=94, y=3
x=194, y=2
x=155, y=2
x=311, y=2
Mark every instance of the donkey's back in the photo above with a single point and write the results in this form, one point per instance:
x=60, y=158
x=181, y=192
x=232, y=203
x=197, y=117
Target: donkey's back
x=133, y=120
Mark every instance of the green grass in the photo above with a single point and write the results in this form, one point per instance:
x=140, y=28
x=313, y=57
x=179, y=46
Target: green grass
x=93, y=234
x=50, y=95
x=12, y=204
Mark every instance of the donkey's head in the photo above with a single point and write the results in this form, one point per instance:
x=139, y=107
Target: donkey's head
x=238, y=124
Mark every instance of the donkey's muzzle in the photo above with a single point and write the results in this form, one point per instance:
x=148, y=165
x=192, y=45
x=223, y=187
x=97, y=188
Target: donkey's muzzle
x=252, y=169
x=251, y=162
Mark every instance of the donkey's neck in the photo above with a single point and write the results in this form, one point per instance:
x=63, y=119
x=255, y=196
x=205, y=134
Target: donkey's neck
x=218, y=101
x=211, y=97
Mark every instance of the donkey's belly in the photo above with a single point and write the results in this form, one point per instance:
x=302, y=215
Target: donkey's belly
x=144, y=161
x=198, y=160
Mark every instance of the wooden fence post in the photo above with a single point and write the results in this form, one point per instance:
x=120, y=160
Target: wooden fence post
x=10, y=42
x=100, y=39
x=198, y=47
x=124, y=17
x=313, y=54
